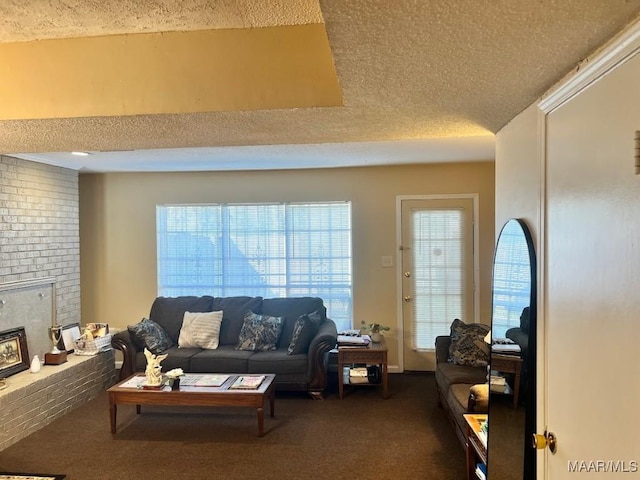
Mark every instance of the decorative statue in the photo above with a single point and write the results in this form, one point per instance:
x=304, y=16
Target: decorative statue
x=153, y=371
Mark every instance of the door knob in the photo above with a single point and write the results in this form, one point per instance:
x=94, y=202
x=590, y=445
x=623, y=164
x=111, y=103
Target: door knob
x=407, y=298
x=547, y=440
x=407, y=274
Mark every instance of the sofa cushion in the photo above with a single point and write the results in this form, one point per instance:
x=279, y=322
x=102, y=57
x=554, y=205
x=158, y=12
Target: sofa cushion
x=148, y=334
x=233, y=312
x=304, y=330
x=278, y=362
x=200, y=329
x=168, y=312
x=467, y=344
x=259, y=333
x=458, y=397
x=448, y=374
x=457, y=400
x=224, y=359
x=291, y=309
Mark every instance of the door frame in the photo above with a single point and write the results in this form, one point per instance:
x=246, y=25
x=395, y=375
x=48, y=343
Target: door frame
x=476, y=260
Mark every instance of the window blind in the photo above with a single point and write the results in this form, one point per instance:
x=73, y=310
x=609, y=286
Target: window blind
x=511, y=282
x=438, y=259
x=268, y=250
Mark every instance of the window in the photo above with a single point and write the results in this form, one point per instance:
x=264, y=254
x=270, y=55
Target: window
x=268, y=250
x=511, y=280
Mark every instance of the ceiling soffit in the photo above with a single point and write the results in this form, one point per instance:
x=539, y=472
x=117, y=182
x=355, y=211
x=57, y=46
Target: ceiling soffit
x=177, y=72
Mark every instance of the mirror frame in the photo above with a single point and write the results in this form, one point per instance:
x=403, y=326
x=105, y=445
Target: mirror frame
x=529, y=463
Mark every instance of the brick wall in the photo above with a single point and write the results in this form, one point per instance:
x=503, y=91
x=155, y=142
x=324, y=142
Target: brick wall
x=33, y=400
x=39, y=230
x=40, y=238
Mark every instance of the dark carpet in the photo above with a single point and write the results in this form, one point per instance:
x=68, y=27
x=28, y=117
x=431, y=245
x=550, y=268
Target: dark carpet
x=506, y=431
x=406, y=436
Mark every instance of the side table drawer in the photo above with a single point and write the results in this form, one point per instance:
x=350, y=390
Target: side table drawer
x=360, y=357
x=506, y=365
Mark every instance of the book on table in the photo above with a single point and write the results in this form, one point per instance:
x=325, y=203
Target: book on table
x=358, y=375
x=203, y=380
x=248, y=382
x=506, y=348
x=352, y=341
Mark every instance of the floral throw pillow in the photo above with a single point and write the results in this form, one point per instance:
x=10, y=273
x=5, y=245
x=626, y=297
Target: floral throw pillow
x=148, y=334
x=467, y=344
x=259, y=333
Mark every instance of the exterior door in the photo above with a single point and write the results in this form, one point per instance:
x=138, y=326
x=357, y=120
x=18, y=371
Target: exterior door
x=437, y=273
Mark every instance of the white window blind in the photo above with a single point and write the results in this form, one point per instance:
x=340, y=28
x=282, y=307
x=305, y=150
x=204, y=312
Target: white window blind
x=438, y=259
x=511, y=281
x=268, y=250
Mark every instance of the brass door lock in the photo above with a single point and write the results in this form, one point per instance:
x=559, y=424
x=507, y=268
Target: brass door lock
x=548, y=439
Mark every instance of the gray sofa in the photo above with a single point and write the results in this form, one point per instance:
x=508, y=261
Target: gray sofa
x=454, y=384
x=301, y=371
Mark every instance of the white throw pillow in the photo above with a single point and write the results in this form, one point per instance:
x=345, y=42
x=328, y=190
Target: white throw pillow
x=200, y=330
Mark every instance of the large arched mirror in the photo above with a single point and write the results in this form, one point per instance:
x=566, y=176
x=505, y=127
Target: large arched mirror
x=512, y=405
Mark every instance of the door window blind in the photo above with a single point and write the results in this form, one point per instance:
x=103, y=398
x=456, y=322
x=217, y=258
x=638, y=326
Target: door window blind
x=438, y=259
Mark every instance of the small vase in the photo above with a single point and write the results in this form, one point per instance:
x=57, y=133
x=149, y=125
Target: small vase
x=375, y=337
x=175, y=385
x=35, y=364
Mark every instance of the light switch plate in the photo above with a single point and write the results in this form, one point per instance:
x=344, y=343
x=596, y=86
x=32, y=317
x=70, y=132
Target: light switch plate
x=386, y=261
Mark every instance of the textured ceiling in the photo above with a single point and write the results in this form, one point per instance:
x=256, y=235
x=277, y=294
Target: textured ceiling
x=26, y=20
x=420, y=70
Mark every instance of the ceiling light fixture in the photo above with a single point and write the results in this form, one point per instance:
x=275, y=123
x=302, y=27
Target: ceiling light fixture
x=81, y=154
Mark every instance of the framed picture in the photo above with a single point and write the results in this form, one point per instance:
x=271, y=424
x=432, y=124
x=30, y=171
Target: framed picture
x=70, y=333
x=14, y=356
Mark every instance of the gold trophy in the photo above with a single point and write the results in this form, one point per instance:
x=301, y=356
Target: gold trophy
x=55, y=356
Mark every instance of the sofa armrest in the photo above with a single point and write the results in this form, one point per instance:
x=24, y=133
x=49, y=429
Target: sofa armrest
x=443, y=342
x=520, y=337
x=122, y=341
x=324, y=341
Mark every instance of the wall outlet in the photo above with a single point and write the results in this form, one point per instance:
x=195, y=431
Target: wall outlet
x=386, y=261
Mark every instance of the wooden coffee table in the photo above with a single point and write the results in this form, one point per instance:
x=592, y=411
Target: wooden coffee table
x=130, y=391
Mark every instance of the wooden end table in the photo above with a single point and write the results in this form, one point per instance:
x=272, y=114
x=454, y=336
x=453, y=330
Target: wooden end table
x=221, y=396
x=509, y=364
x=476, y=443
x=374, y=353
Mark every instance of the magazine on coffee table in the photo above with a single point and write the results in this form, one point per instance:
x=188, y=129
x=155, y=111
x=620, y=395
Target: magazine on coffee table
x=248, y=383
x=203, y=380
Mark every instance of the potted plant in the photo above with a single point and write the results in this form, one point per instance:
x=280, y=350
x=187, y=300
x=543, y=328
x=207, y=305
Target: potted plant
x=375, y=330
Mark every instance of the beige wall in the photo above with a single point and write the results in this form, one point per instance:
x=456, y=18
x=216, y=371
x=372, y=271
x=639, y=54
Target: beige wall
x=518, y=173
x=118, y=249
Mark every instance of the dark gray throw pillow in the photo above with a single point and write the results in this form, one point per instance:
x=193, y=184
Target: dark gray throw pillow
x=259, y=333
x=304, y=330
x=148, y=334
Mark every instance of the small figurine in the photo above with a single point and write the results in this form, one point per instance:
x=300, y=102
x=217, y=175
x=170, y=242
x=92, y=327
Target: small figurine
x=154, y=370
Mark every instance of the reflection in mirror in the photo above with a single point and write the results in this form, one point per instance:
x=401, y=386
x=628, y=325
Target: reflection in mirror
x=513, y=318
